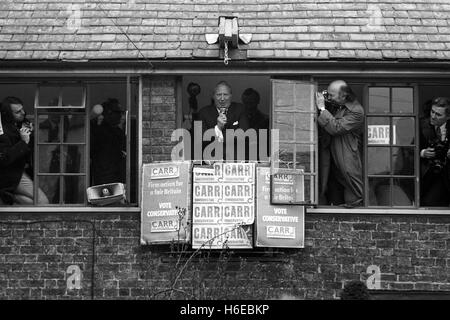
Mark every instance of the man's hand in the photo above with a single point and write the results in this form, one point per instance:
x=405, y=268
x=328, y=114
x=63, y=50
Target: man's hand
x=429, y=153
x=221, y=121
x=25, y=134
x=320, y=101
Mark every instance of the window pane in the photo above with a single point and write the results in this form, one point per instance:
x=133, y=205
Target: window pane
x=49, y=126
x=402, y=100
x=379, y=161
x=74, y=127
x=72, y=96
x=73, y=159
x=293, y=96
x=403, y=161
x=304, y=127
x=404, y=131
x=285, y=123
x=304, y=157
x=48, y=96
x=286, y=156
x=403, y=192
x=303, y=99
x=49, y=159
x=378, y=130
x=379, y=100
x=379, y=192
x=74, y=189
x=50, y=186
x=284, y=95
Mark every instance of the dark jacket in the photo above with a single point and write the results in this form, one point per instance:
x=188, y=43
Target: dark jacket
x=107, y=161
x=236, y=119
x=260, y=122
x=14, y=153
x=427, y=137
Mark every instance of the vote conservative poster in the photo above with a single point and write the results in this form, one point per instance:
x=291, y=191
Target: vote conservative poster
x=223, y=205
x=165, y=202
x=277, y=225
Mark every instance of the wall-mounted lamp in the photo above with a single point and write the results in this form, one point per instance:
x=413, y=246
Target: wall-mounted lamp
x=228, y=35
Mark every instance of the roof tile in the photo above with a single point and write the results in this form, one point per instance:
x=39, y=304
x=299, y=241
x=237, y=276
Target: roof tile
x=165, y=29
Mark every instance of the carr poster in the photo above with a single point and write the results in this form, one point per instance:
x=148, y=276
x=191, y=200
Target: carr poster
x=165, y=202
x=223, y=205
x=281, y=226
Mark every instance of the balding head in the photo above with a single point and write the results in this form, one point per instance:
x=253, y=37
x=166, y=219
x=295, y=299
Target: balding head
x=222, y=96
x=340, y=92
x=337, y=85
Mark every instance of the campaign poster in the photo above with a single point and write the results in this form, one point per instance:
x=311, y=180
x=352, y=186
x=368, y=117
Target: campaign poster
x=287, y=187
x=220, y=236
x=165, y=202
x=380, y=134
x=281, y=226
x=223, y=205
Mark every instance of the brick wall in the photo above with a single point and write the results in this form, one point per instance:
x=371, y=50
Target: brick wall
x=38, y=250
x=411, y=251
x=159, y=114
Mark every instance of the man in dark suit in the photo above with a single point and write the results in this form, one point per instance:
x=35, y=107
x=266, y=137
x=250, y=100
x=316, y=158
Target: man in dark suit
x=258, y=121
x=434, y=154
x=108, y=145
x=221, y=117
x=16, y=185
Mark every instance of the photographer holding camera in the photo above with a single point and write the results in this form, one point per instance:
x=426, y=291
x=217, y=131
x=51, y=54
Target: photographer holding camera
x=341, y=119
x=435, y=154
x=16, y=186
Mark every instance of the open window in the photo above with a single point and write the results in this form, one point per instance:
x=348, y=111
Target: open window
x=67, y=150
x=294, y=165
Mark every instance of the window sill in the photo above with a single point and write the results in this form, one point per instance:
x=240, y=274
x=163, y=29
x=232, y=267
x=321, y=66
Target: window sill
x=380, y=211
x=63, y=210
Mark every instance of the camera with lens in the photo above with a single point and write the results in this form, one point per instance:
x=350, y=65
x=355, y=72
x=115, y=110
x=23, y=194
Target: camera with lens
x=440, y=158
x=330, y=105
x=27, y=124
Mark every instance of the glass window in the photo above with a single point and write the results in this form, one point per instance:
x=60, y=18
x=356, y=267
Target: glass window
x=294, y=117
x=62, y=162
x=391, y=148
x=379, y=100
x=402, y=100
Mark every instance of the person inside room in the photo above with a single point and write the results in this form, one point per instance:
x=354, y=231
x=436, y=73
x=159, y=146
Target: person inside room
x=341, y=120
x=435, y=155
x=222, y=115
x=108, y=143
x=258, y=121
x=16, y=150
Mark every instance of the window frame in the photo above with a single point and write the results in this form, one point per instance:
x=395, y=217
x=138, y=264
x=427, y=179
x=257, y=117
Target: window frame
x=85, y=79
x=313, y=144
x=417, y=82
x=355, y=74
x=391, y=115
